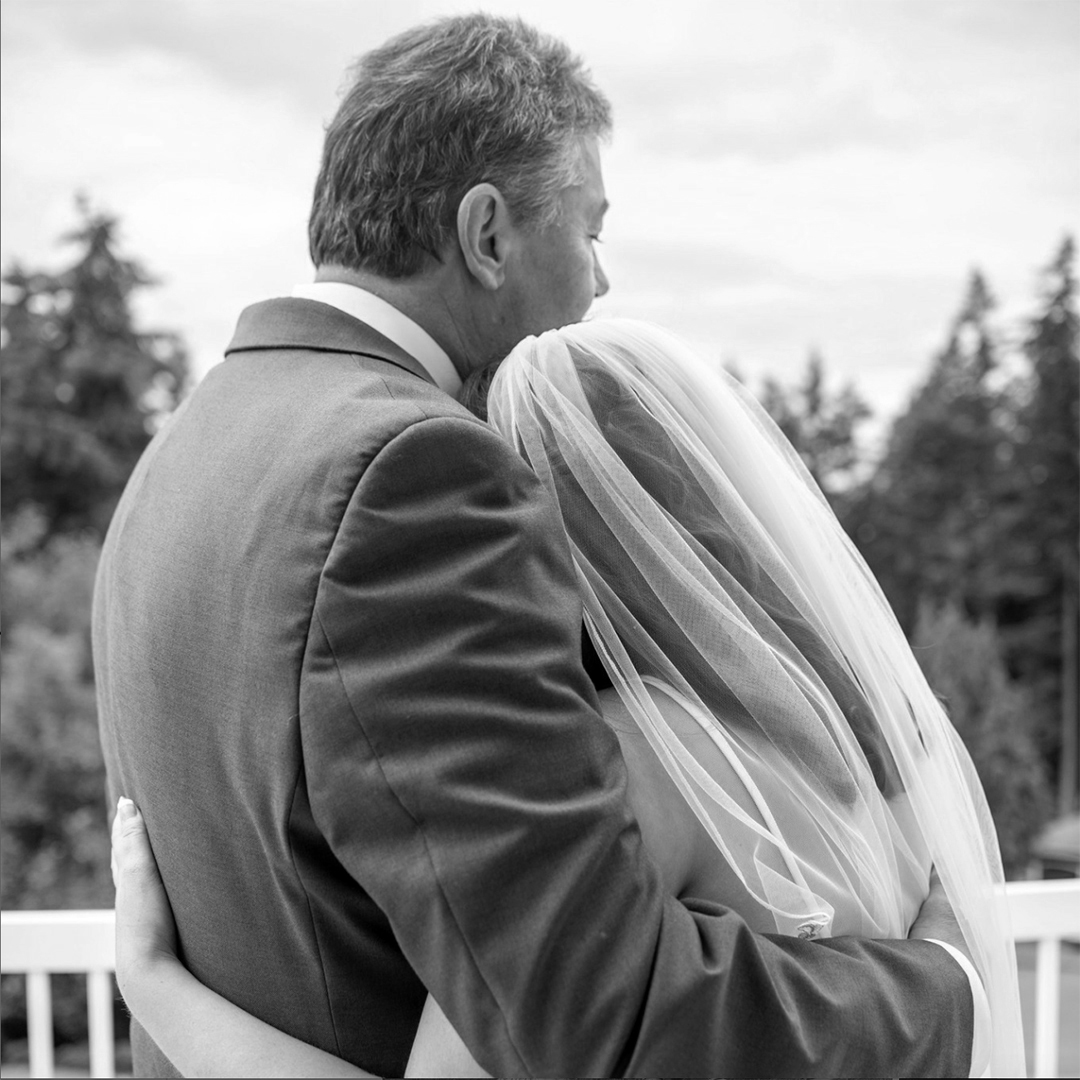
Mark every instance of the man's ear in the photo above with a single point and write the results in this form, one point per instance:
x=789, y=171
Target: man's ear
x=483, y=227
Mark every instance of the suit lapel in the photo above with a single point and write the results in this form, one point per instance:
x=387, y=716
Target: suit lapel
x=294, y=323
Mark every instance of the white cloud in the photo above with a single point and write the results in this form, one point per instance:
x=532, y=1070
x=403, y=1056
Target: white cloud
x=783, y=173
x=212, y=187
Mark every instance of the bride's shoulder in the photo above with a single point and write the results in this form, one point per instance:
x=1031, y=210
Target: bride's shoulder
x=676, y=712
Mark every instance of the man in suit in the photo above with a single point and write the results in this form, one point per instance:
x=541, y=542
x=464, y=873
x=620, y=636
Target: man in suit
x=337, y=640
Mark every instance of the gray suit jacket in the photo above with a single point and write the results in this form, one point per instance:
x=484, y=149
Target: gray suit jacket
x=337, y=640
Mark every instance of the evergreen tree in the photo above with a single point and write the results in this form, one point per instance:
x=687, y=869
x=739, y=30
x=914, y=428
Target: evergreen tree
x=79, y=385
x=928, y=520
x=1042, y=620
x=820, y=425
x=81, y=389
x=976, y=502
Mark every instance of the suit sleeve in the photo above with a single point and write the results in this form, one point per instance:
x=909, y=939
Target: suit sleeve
x=461, y=772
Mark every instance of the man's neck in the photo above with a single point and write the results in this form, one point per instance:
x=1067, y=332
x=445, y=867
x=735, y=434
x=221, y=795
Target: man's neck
x=424, y=298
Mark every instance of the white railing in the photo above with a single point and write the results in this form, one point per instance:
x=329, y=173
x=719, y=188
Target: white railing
x=37, y=943
x=1046, y=912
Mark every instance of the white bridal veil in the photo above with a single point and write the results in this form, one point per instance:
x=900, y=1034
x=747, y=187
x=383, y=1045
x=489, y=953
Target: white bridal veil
x=714, y=574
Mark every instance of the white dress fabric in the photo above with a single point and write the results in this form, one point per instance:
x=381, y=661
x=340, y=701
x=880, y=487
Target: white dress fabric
x=715, y=574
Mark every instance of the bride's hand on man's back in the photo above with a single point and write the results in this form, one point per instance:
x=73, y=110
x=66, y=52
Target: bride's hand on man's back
x=145, y=928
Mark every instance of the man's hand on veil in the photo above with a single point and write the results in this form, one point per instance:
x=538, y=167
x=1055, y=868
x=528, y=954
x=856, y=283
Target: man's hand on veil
x=937, y=920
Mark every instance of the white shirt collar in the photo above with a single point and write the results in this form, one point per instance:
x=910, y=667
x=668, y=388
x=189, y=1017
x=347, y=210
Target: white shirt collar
x=391, y=323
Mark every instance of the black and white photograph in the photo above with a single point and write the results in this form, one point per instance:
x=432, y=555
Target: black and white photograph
x=540, y=539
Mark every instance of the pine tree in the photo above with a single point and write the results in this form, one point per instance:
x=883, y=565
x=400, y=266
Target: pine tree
x=928, y=519
x=820, y=425
x=79, y=385
x=1043, y=623
x=976, y=502
x=80, y=389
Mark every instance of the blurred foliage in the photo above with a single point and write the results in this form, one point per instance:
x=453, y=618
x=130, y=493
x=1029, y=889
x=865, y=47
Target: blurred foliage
x=973, y=508
x=81, y=390
x=963, y=663
x=1041, y=621
x=79, y=385
x=820, y=425
x=927, y=521
x=55, y=851
x=975, y=501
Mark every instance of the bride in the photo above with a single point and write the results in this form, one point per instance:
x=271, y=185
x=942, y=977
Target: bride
x=786, y=756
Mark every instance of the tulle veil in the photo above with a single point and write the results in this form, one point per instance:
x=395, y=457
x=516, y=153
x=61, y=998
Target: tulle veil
x=714, y=572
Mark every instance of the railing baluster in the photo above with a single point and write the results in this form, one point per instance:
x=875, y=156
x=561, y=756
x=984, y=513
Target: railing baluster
x=99, y=1001
x=36, y=943
x=39, y=1022
x=1047, y=1005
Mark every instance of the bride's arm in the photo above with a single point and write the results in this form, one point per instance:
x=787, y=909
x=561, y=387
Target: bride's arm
x=689, y=862
x=198, y=1030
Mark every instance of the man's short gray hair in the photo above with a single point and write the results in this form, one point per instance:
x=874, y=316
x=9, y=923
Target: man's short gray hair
x=435, y=111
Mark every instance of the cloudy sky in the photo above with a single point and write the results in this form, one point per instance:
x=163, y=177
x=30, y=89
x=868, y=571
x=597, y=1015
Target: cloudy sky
x=784, y=175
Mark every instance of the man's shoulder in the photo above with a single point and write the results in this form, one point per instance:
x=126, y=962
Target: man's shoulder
x=319, y=404
x=296, y=363
x=281, y=439
x=452, y=452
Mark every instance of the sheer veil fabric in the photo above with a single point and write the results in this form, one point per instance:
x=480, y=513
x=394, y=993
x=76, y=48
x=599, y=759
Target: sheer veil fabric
x=714, y=574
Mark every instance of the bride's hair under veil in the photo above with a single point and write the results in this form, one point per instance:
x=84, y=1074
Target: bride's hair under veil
x=689, y=499
x=714, y=574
